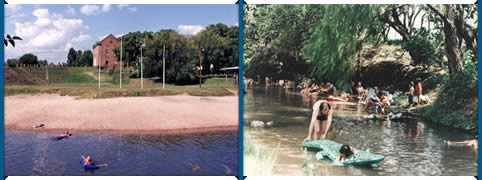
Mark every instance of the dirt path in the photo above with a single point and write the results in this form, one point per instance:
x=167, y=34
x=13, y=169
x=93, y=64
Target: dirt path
x=130, y=114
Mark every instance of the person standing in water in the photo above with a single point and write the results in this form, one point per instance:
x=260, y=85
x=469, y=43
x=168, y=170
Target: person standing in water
x=320, y=120
x=418, y=90
x=410, y=95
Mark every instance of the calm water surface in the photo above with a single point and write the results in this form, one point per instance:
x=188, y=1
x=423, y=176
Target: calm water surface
x=32, y=153
x=410, y=147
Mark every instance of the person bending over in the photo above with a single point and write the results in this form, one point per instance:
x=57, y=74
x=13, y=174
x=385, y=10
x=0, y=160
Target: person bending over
x=320, y=120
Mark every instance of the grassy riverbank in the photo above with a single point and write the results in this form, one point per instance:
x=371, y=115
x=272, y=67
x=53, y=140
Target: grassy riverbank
x=83, y=83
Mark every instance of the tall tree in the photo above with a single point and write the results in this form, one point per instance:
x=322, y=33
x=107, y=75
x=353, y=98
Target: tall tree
x=451, y=40
x=333, y=45
x=86, y=58
x=71, y=57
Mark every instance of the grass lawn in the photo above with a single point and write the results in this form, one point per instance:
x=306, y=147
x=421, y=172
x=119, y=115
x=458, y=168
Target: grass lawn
x=83, y=83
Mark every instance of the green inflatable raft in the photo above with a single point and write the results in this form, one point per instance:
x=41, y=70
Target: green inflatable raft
x=329, y=150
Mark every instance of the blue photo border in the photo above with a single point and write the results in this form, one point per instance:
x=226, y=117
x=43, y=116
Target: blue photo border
x=2, y=136
x=479, y=90
x=241, y=90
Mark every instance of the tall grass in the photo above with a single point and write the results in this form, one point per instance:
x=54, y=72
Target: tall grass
x=258, y=161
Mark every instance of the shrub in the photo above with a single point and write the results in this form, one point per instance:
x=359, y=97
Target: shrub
x=456, y=103
x=421, y=47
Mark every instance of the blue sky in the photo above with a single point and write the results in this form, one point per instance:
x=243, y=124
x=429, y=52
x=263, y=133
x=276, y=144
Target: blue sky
x=48, y=31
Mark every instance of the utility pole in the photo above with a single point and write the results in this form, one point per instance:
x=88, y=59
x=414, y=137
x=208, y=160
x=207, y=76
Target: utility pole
x=200, y=66
x=163, y=65
x=120, y=73
x=100, y=59
x=142, y=81
x=47, y=76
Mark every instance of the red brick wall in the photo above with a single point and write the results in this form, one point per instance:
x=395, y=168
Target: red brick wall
x=108, y=59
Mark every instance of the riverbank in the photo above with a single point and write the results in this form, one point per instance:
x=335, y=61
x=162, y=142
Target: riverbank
x=172, y=114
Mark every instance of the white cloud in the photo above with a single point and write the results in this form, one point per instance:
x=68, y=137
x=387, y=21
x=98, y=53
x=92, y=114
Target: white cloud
x=132, y=9
x=47, y=36
x=80, y=38
x=90, y=10
x=13, y=7
x=120, y=6
x=189, y=29
x=69, y=11
x=106, y=8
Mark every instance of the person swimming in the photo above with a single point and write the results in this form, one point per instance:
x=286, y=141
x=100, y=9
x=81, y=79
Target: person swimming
x=89, y=161
x=65, y=135
x=473, y=143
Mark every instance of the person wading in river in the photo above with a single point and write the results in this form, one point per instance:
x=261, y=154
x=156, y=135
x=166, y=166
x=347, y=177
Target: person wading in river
x=410, y=96
x=418, y=90
x=320, y=120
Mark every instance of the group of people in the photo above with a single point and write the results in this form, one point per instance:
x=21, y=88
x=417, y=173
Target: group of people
x=315, y=89
x=414, y=91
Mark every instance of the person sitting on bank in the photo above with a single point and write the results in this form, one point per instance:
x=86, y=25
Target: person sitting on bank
x=361, y=91
x=320, y=120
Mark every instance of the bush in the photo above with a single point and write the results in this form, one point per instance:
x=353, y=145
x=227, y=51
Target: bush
x=456, y=104
x=133, y=75
x=421, y=47
x=111, y=71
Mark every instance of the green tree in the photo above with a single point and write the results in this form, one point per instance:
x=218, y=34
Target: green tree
x=28, y=59
x=71, y=57
x=333, y=45
x=12, y=62
x=181, y=60
x=212, y=48
x=87, y=58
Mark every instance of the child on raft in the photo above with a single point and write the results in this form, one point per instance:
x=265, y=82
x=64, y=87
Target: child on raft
x=88, y=161
x=345, y=152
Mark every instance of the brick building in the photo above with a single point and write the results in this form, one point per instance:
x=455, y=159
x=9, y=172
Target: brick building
x=108, y=59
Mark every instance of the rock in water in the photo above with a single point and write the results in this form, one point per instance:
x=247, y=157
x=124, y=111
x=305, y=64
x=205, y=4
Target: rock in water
x=257, y=124
x=270, y=123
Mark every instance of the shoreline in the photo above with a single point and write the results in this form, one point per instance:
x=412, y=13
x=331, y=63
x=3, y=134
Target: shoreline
x=176, y=114
x=186, y=131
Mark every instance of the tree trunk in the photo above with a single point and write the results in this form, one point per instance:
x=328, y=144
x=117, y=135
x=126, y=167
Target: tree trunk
x=451, y=41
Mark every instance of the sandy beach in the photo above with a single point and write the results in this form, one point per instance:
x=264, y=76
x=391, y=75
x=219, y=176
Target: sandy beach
x=125, y=114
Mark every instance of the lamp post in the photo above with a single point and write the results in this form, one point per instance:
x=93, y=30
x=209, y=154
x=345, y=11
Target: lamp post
x=200, y=66
x=120, y=73
x=100, y=59
x=163, y=66
x=142, y=80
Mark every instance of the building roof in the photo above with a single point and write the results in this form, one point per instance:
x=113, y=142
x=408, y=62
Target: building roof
x=98, y=42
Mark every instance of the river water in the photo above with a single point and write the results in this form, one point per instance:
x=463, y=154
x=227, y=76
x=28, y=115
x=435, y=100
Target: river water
x=410, y=146
x=33, y=153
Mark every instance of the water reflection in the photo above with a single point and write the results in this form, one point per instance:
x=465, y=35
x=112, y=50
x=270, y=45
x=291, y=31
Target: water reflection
x=410, y=146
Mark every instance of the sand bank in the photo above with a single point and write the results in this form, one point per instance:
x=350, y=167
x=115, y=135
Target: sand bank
x=126, y=114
